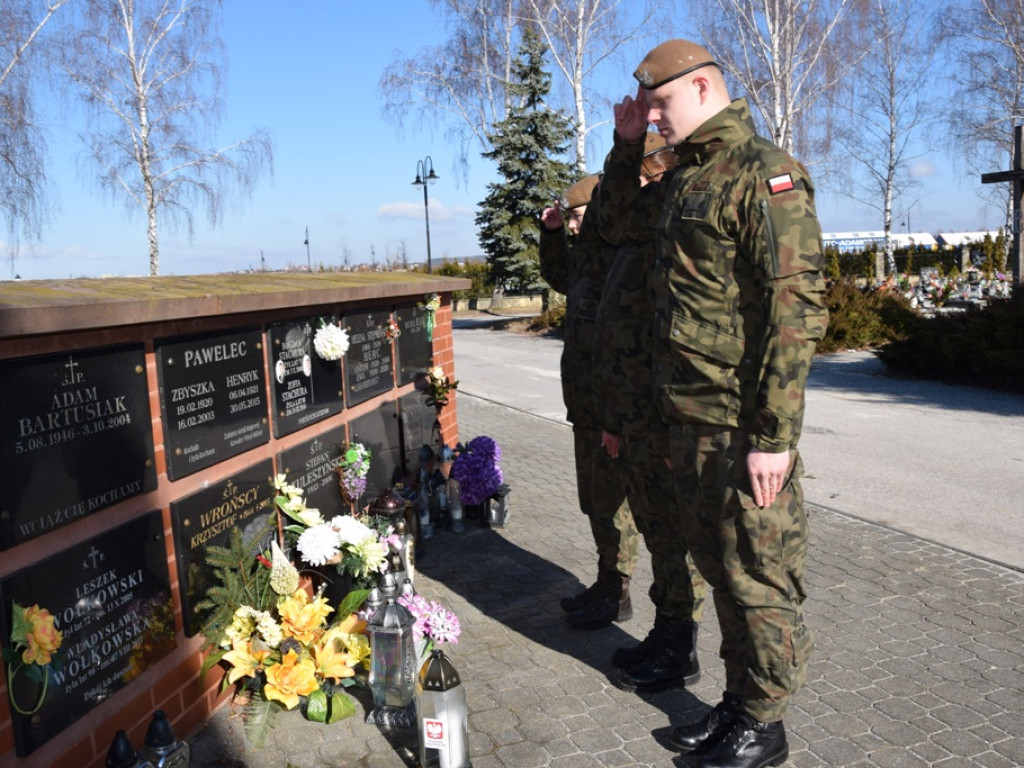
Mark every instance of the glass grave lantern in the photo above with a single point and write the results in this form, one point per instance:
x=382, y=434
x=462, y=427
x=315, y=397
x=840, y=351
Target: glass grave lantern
x=441, y=712
x=392, y=665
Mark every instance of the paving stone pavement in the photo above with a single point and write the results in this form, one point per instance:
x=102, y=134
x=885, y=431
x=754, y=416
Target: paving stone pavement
x=919, y=657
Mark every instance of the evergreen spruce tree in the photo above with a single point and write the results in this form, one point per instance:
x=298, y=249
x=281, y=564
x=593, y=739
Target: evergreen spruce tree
x=527, y=146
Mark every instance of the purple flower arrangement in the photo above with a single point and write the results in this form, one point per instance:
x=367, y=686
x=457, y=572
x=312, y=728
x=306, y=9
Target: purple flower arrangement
x=352, y=470
x=434, y=622
x=476, y=469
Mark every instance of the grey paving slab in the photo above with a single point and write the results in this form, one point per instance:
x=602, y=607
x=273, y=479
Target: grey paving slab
x=918, y=658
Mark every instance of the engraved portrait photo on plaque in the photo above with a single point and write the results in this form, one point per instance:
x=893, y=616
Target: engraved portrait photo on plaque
x=76, y=436
x=213, y=397
x=305, y=388
x=110, y=599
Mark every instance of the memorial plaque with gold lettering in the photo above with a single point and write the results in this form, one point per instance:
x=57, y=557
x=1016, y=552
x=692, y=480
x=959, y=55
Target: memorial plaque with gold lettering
x=414, y=346
x=311, y=466
x=76, y=435
x=306, y=388
x=369, y=367
x=213, y=397
x=110, y=599
x=244, y=500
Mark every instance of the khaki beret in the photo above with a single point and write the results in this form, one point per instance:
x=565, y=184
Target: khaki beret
x=581, y=192
x=654, y=142
x=670, y=60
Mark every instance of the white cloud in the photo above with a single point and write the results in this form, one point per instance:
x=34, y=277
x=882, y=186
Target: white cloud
x=922, y=169
x=438, y=211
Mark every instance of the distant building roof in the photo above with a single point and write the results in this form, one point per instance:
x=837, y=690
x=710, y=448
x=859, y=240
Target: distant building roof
x=848, y=242
x=956, y=239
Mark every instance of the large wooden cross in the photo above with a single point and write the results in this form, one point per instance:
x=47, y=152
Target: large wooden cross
x=1016, y=175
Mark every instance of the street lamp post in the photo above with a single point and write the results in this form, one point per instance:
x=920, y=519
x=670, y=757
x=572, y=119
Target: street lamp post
x=424, y=175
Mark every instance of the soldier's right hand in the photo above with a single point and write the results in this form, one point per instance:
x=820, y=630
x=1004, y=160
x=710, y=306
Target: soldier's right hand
x=551, y=217
x=631, y=117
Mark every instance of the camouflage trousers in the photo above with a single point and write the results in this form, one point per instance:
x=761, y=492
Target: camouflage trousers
x=602, y=492
x=678, y=589
x=753, y=558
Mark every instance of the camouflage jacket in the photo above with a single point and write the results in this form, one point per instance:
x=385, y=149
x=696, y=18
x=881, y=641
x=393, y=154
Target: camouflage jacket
x=622, y=376
x=578, y=270
x=738, y=284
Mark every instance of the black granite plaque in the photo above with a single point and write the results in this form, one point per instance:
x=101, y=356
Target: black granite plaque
x=110, y=597
x=213, y=397
x=244, y=500
x=378, y=431
x=420, y=426
x=311, y=466
x=305, y=387
x=414, y=347
x=369, y=368
x=76, y=435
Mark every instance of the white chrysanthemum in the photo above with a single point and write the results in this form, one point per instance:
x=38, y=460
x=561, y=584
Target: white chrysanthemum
x=318, y=544
x=331, y=342
x=349, y=530
x=269, y=630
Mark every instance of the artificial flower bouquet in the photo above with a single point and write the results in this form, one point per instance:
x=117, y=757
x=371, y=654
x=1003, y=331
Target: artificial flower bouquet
x=434, y=625
x=35, y=642
x=280, y=644
x=330, y=341
x=439, y=385
x=476, y=469
x=356, y=545
x=353, y=467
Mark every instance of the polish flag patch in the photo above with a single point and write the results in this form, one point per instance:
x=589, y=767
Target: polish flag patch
x=781, y=183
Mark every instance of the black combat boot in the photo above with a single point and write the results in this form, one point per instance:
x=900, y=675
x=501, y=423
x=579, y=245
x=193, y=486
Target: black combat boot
x=701, y=736
x=672, y=662
x=750, y=744
x=608, y=602
x=575, y=602
x=631, y=656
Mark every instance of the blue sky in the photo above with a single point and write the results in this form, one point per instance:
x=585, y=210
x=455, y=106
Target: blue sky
x=308, y=72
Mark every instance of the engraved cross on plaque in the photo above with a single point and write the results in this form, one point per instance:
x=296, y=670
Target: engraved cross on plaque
x=1016, y=176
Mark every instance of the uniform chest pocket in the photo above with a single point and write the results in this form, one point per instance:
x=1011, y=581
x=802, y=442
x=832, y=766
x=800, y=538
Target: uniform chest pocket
x=720, y=345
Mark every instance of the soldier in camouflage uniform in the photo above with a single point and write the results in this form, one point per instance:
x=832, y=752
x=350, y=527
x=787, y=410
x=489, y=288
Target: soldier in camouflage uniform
x=738, y=288
x=578, y=271
x=633, y=431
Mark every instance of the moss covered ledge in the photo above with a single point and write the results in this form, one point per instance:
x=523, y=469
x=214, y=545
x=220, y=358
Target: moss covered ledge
x=34, y=307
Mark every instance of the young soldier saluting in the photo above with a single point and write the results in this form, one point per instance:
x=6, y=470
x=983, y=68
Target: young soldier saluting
x=738, y=310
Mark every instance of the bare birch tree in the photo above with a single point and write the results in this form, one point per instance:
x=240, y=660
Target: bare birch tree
x=787, y=56
x=150, y=74
x=987, y=37
x=23, y=182
x=581, y=36
x=464, y=78
x=888, y=105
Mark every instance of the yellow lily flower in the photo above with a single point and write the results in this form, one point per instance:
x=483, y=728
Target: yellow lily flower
x=245, y=660
x=331, y=658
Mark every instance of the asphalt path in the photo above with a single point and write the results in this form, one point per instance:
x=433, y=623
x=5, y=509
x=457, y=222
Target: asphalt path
x=940, y=462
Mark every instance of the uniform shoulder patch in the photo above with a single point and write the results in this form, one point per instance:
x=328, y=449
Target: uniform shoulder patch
x=780, y=183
